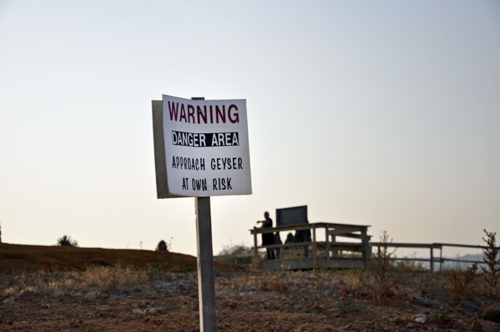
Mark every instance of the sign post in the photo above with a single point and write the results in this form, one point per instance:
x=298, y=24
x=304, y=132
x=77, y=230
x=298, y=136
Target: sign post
x=205, y=263
x=201, y=150
x=206, y=281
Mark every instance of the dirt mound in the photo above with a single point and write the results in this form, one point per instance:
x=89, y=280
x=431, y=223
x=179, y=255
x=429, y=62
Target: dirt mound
x=15, y=258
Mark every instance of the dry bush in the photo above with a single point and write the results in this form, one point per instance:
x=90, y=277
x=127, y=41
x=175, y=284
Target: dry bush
x=278, y=283
x=321, y=278
x=462, y=284
x=258, y=276
x=492, y=271
x=260, y=281
x=239, y=282
x=350, y=281
x=257, y=264
x=382, y=281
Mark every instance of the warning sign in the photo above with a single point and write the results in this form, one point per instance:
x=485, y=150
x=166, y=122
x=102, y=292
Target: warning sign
x=201, y=147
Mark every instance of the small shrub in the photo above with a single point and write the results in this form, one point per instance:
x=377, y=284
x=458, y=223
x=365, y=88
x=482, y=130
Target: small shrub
x=66, y=241
x=492, y=271
x=462, y=285
x=278, y=283
x=240, y=282
x=256, y=264
x=350, y=281
x=379, y=271
x=261, y=281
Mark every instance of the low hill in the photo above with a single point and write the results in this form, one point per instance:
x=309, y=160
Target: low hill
x=16, y=258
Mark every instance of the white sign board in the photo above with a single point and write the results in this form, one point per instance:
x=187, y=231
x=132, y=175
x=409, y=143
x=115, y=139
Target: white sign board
x=206, y=147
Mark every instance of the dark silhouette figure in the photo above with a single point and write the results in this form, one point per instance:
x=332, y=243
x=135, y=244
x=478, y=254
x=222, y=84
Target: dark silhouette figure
x=267, y=238
x=303, y=236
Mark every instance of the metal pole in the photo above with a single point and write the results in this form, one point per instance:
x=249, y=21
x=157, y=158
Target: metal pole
x=206, y=281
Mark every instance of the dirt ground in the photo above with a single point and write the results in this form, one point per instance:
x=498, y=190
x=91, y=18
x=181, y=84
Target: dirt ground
x=107, y=298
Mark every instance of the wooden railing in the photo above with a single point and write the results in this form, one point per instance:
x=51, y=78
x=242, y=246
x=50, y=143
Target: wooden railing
x=328, y=253
x=431, y=246
x=318, y=254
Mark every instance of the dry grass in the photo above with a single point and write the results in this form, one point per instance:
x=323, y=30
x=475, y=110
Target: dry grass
x=350, y=281
x=104, y=277
x=447, y=289
x=93, y=278
x=274, y=301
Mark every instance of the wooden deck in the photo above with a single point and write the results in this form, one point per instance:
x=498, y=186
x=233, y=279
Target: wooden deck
x=335, y=254
x=331, y=253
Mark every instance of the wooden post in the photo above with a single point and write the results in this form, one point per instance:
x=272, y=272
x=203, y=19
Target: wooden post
x=366, y=247
x=441, y=258
x=206, y=281
x=314, y=247
x=327, y=247
x=255, y=251
x=432, y=258
x=335, y=252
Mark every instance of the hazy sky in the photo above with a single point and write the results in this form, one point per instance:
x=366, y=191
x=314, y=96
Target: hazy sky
x=378, y=113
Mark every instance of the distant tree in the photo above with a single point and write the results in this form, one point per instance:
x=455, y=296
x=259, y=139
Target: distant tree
x=66, y=241
x=162, y=246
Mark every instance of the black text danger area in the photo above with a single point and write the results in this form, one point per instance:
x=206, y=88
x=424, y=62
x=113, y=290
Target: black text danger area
x=202, y=140
x=217, y=184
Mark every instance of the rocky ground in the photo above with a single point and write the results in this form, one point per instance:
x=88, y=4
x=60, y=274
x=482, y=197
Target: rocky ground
x=103, y=300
